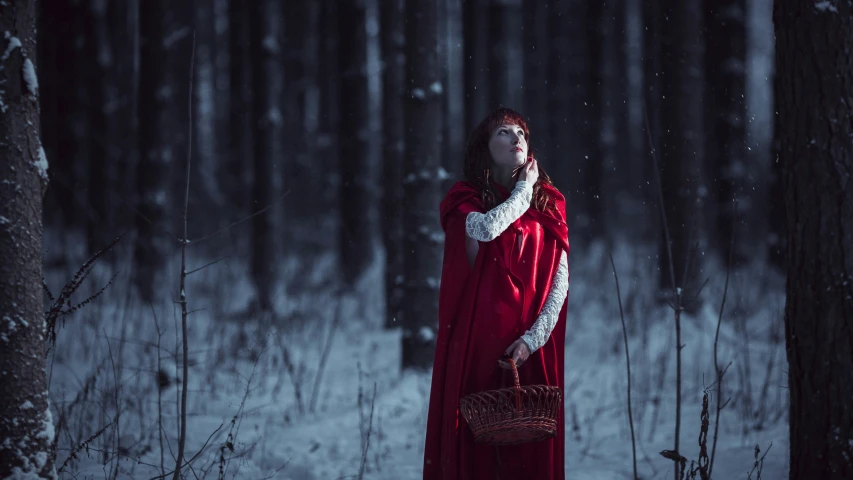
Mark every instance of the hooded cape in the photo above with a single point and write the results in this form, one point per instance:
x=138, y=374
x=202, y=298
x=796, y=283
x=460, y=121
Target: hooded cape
x=482, y=310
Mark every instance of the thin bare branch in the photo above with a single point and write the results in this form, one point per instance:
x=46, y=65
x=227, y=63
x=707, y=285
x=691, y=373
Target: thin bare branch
x=238, y=222
x=207, y=265
x=628, y=366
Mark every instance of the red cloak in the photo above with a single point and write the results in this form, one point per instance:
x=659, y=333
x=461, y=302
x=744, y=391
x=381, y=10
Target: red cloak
x=482, y=310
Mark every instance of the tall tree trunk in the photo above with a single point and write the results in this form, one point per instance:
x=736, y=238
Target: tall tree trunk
x=100, y=81
x=423, y=238
x=574, y=120
x=682, y=179
x=26, y=424
x=393, y=42
x=302, y=173
x=815, y=84
x=777, y=241
x=329, y=75
x=537, y=48
x=454, y=84
x=650, y=112
x=356, y=240
x=161, y=108
x=725, y=70
x=238, y=164
x=613, y=108
x=506, y=65
x=205, y=140
x=267, y=78
x=476, y=47
x=591, y=222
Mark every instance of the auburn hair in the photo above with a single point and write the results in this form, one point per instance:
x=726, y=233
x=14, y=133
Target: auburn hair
x=478, y=160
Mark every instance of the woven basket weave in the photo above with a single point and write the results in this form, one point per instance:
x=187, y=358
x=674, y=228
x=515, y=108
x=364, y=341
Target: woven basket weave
x=514, y=415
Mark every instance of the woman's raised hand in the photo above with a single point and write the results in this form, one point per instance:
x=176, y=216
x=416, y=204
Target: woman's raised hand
x=529, y=171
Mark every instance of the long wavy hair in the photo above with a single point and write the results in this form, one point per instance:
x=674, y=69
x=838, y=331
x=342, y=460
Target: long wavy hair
x=478, y=160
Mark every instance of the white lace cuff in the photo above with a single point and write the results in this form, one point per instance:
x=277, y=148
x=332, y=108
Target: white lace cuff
x=486, y=227
x=539, y=333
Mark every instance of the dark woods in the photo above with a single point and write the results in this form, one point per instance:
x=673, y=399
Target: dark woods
x=359, y=111
x=335, y=127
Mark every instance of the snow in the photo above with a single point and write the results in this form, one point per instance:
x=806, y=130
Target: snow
x=235, y=357
x=825, y=6
x=41, y=163
x=30, y=78
x=27, y=405
x=13, y=44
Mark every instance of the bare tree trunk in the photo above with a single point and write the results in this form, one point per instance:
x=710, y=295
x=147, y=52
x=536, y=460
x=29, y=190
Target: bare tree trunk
x=155, y=154
x=329, y=74
x=205, y=114
x=238, y=166
x=303, y=175
x=476, y=47
x=777, y=241
x=423, y=244
x=355, y=203
x=454, y=85
x=267, y=81
x=98, y=60
x=393, y=43
x=537, y=51
x=725, y=68
x=613, y=108
x=26, y=424
x=682, y=115
x=163, y=89
x=651, y=65
x=815, y=84
x=506, y=65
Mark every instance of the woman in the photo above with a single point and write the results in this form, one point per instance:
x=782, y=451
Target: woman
x=504, y=284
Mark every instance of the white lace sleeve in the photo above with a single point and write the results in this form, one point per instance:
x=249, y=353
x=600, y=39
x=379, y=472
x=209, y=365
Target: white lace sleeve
x=486, y=227
x=541, y=329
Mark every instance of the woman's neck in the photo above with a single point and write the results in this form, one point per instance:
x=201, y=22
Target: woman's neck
x=504, y=177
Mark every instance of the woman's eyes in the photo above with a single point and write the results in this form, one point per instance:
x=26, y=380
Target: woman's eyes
x=503, y=130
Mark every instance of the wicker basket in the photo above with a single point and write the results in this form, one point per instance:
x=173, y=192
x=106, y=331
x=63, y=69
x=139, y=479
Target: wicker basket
x=514, y=415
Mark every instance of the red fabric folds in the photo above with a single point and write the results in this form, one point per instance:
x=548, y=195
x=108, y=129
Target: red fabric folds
x=482, y=310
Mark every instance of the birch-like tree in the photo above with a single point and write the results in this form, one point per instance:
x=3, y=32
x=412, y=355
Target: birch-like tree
x=26, y=425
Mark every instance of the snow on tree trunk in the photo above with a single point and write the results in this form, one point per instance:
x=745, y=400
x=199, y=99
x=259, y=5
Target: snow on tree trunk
x=422, y=179
x=815, y=84
x=26, y=425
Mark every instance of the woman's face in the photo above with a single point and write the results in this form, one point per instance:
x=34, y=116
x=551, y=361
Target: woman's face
x=508, y=146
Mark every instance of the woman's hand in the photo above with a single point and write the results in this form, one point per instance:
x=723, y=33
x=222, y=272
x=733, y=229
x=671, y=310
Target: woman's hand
x=529, y=172
x=519, y=352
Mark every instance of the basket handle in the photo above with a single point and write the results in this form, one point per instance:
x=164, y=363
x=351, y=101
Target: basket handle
x=506, y=359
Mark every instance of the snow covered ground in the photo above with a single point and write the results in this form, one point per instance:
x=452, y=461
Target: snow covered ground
x=252, y=380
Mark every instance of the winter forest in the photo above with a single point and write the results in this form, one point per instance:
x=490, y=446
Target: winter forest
x=220, y=248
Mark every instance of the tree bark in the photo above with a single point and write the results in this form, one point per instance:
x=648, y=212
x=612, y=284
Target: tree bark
x=393, y=43
x=267, y=81
x=725, y=67
x=682, y=132
x=356, y=240
x=815, y=84
x=423, y=238
x=26, y=424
